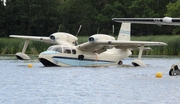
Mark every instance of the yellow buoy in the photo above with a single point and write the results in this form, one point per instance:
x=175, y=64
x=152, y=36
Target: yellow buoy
x=29, y=65
x=158, y=75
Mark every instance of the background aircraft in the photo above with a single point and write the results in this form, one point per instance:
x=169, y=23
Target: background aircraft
x=157, y=21
x=99, y=50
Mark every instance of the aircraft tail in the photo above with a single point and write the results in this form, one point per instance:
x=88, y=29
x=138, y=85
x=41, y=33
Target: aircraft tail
x=125, y=32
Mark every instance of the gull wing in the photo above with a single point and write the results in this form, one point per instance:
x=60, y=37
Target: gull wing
x=35, y=38
x=101, y=46
x=158, y=21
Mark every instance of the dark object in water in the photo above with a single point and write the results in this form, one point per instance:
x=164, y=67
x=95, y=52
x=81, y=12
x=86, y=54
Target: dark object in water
x=174, y=70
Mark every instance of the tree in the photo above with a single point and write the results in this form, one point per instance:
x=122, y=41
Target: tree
x=78, y=12
x=43, y=17
x=148, y=9
x=173, y=11
x=36, y=17
x=104, y=18
x=2, y=18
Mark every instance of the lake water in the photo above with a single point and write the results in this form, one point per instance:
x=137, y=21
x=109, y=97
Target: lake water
x=88, y=85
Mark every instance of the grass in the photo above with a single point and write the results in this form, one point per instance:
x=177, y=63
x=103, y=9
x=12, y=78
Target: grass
x=171, y=49
x=13, y=45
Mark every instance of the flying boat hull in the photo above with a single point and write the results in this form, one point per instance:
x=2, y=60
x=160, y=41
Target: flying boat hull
x=58, y=59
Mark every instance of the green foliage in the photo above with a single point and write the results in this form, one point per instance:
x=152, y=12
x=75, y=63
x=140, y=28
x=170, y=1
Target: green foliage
x=171, y=49
x=36, y=17
x=173, y=11
x=12, y=46
x=44, y=17
x=103, y=19
x=2, y=18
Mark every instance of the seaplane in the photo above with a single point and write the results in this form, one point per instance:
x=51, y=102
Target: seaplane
x=99, y=50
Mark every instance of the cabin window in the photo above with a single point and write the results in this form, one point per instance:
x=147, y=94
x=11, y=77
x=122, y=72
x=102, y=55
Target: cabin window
x=67, y=50
x=73, y=51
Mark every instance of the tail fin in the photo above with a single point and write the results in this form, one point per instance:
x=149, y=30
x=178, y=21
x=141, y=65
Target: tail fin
x=125, y=32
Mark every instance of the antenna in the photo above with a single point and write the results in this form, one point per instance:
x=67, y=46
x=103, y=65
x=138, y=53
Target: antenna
x=59, y=28
x=78, y=30
x=98, y=30
x=113, y=30
x=76, y=42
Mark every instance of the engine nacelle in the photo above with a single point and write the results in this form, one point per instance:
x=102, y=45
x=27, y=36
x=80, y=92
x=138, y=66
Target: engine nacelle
x=167, y=19
x=63, y=38
x=52, y=37
x=100, y=37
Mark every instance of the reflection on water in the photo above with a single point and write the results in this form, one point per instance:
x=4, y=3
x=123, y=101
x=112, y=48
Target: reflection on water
x=88, y=85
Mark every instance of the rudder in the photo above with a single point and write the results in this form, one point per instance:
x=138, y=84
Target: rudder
x=125, y=32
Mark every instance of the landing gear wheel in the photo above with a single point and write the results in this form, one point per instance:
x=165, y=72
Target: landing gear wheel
x=120, y=63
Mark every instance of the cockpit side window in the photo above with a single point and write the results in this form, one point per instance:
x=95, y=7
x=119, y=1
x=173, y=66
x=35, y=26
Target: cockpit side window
x=58, y=49
x=55, y=48
x=67, y=50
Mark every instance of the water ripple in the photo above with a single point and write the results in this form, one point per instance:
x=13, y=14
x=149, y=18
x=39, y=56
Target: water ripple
x=88, y=85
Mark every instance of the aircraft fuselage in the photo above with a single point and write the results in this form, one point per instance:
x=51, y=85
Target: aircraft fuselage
x=59, y=55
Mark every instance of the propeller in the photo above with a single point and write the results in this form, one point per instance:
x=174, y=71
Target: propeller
x=59, y=28
x=78, y=33
x=78, y=30
x=113, y=30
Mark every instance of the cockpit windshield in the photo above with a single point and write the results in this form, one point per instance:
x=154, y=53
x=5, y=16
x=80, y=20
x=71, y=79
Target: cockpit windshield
x=55, y=48
x=61, y=49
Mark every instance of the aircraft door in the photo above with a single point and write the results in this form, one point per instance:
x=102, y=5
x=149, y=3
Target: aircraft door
x=81, y=57
x=81, y=60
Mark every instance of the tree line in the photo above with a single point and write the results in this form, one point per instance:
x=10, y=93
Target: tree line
x=44, y=17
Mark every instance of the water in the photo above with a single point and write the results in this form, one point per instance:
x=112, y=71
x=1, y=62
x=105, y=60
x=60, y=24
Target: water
x=88, y=85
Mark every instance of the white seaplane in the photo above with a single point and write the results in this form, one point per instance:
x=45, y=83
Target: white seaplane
x=99, y=50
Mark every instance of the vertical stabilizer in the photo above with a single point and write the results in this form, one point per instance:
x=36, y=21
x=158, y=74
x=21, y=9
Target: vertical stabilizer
x=125, y=32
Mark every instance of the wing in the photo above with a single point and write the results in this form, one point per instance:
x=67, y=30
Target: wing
x=35, y=38
x=102, y=45
x=158, y=21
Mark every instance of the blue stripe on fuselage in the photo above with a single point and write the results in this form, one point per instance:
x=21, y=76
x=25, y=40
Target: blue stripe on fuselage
x=76, y=62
